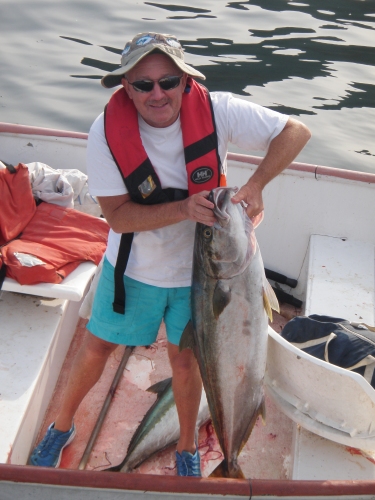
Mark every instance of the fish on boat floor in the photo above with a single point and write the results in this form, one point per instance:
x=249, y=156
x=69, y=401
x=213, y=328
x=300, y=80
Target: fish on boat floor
x=266, y=455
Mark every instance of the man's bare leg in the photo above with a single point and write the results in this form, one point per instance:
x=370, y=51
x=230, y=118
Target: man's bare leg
x=187, y=390
x=87, y=368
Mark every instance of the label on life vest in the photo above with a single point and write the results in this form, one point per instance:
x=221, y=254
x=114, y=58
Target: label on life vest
x=147, y=187
x=201, y=175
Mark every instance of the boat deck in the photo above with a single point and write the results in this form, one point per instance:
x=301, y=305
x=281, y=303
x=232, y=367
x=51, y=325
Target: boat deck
x=280, y=449
x=267, y=454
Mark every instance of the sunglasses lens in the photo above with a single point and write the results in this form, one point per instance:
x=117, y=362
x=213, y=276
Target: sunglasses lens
x=170, y=83
x=143, y=85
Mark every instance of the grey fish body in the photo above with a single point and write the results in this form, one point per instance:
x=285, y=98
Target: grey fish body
x=159, y=428
x=230, y=326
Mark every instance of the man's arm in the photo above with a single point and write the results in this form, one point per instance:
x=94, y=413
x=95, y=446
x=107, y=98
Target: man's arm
x=281, y=152
x=125, y=216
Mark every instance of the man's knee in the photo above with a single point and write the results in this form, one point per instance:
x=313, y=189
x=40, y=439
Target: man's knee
x=98, y=347
x=183, y=363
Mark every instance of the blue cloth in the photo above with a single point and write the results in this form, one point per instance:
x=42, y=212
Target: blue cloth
x=351, y=344
x=146, y=306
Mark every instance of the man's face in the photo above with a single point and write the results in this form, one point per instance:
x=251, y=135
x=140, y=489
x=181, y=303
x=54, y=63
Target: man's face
x=159, y=108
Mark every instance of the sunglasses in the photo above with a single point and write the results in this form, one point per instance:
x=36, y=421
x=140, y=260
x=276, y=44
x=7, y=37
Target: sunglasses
x=167, y=83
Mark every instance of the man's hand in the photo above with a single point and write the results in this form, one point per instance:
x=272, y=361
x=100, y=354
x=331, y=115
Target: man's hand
x=281, y=152
x=251, y=194
x=198, y=208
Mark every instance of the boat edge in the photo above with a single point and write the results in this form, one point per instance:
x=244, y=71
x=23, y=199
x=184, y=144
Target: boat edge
x=317, y=170
x=176, y=484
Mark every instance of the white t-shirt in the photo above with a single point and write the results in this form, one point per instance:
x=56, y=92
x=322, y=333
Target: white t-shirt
x=163, y=257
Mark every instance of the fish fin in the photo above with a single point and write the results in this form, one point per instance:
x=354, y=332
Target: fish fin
x=115, y=468
x=221, y=298
x=160, y=387
x=187, y=340
x=222, y=470
x=261, y=410
x=269, y=299
x=118, y=468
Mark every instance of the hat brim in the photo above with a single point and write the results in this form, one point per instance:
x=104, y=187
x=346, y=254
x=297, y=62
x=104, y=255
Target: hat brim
x=114, y=78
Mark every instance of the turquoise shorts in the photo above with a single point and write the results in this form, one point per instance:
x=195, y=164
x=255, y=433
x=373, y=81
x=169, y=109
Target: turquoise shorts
x=145, y=308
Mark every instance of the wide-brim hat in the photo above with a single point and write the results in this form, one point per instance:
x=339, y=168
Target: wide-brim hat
x=142, y=45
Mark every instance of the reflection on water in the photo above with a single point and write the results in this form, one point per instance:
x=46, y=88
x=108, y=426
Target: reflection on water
x=314, y=60
x=177, y=8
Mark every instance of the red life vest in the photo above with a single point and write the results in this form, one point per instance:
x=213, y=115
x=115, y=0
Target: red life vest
x=142, y=182
x=199, y=139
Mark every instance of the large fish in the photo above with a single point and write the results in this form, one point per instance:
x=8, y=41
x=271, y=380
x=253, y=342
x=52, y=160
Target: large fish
x=231, y=303
x=159, y=428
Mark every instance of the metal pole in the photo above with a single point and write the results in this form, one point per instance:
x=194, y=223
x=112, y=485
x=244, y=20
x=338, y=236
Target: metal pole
x=104, y=410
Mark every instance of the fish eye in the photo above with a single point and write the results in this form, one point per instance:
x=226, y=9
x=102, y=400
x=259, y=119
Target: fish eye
x=207, y=233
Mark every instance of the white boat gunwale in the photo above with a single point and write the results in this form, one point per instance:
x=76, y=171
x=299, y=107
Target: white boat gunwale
x=317, y=170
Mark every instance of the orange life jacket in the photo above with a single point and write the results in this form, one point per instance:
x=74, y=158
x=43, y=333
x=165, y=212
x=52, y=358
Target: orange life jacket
x=17, y=202
x=56, y=239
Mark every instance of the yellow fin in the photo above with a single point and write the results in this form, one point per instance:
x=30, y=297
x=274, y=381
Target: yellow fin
x=269, y=299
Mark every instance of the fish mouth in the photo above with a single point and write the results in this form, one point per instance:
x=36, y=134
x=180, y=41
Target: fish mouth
x=220, y=197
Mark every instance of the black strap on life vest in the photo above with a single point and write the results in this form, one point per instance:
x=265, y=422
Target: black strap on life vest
x=121, y=263
x=3, y=271
x=201, y=147
x=3, y=268
x=170, y=194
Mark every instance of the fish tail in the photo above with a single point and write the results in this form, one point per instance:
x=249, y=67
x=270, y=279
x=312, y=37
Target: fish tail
x=261, y=410
x=224, y=469
x=237, y=473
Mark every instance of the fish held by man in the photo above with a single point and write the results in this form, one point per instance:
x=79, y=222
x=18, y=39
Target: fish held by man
x=158, y=429
x=231, y=303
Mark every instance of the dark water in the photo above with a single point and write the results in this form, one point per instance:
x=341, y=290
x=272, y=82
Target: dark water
x=312, y=59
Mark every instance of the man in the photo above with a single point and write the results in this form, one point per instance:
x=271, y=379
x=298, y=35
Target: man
x=152, y=159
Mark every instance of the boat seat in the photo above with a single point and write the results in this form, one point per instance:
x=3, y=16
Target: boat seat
x=71, y=288
x=37, y=326
x=324, y=399
x=330, y=401
x=340, y=279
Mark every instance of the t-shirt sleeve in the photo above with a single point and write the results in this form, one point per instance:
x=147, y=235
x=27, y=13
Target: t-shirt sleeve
x=104, y=178
x=247, y=125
